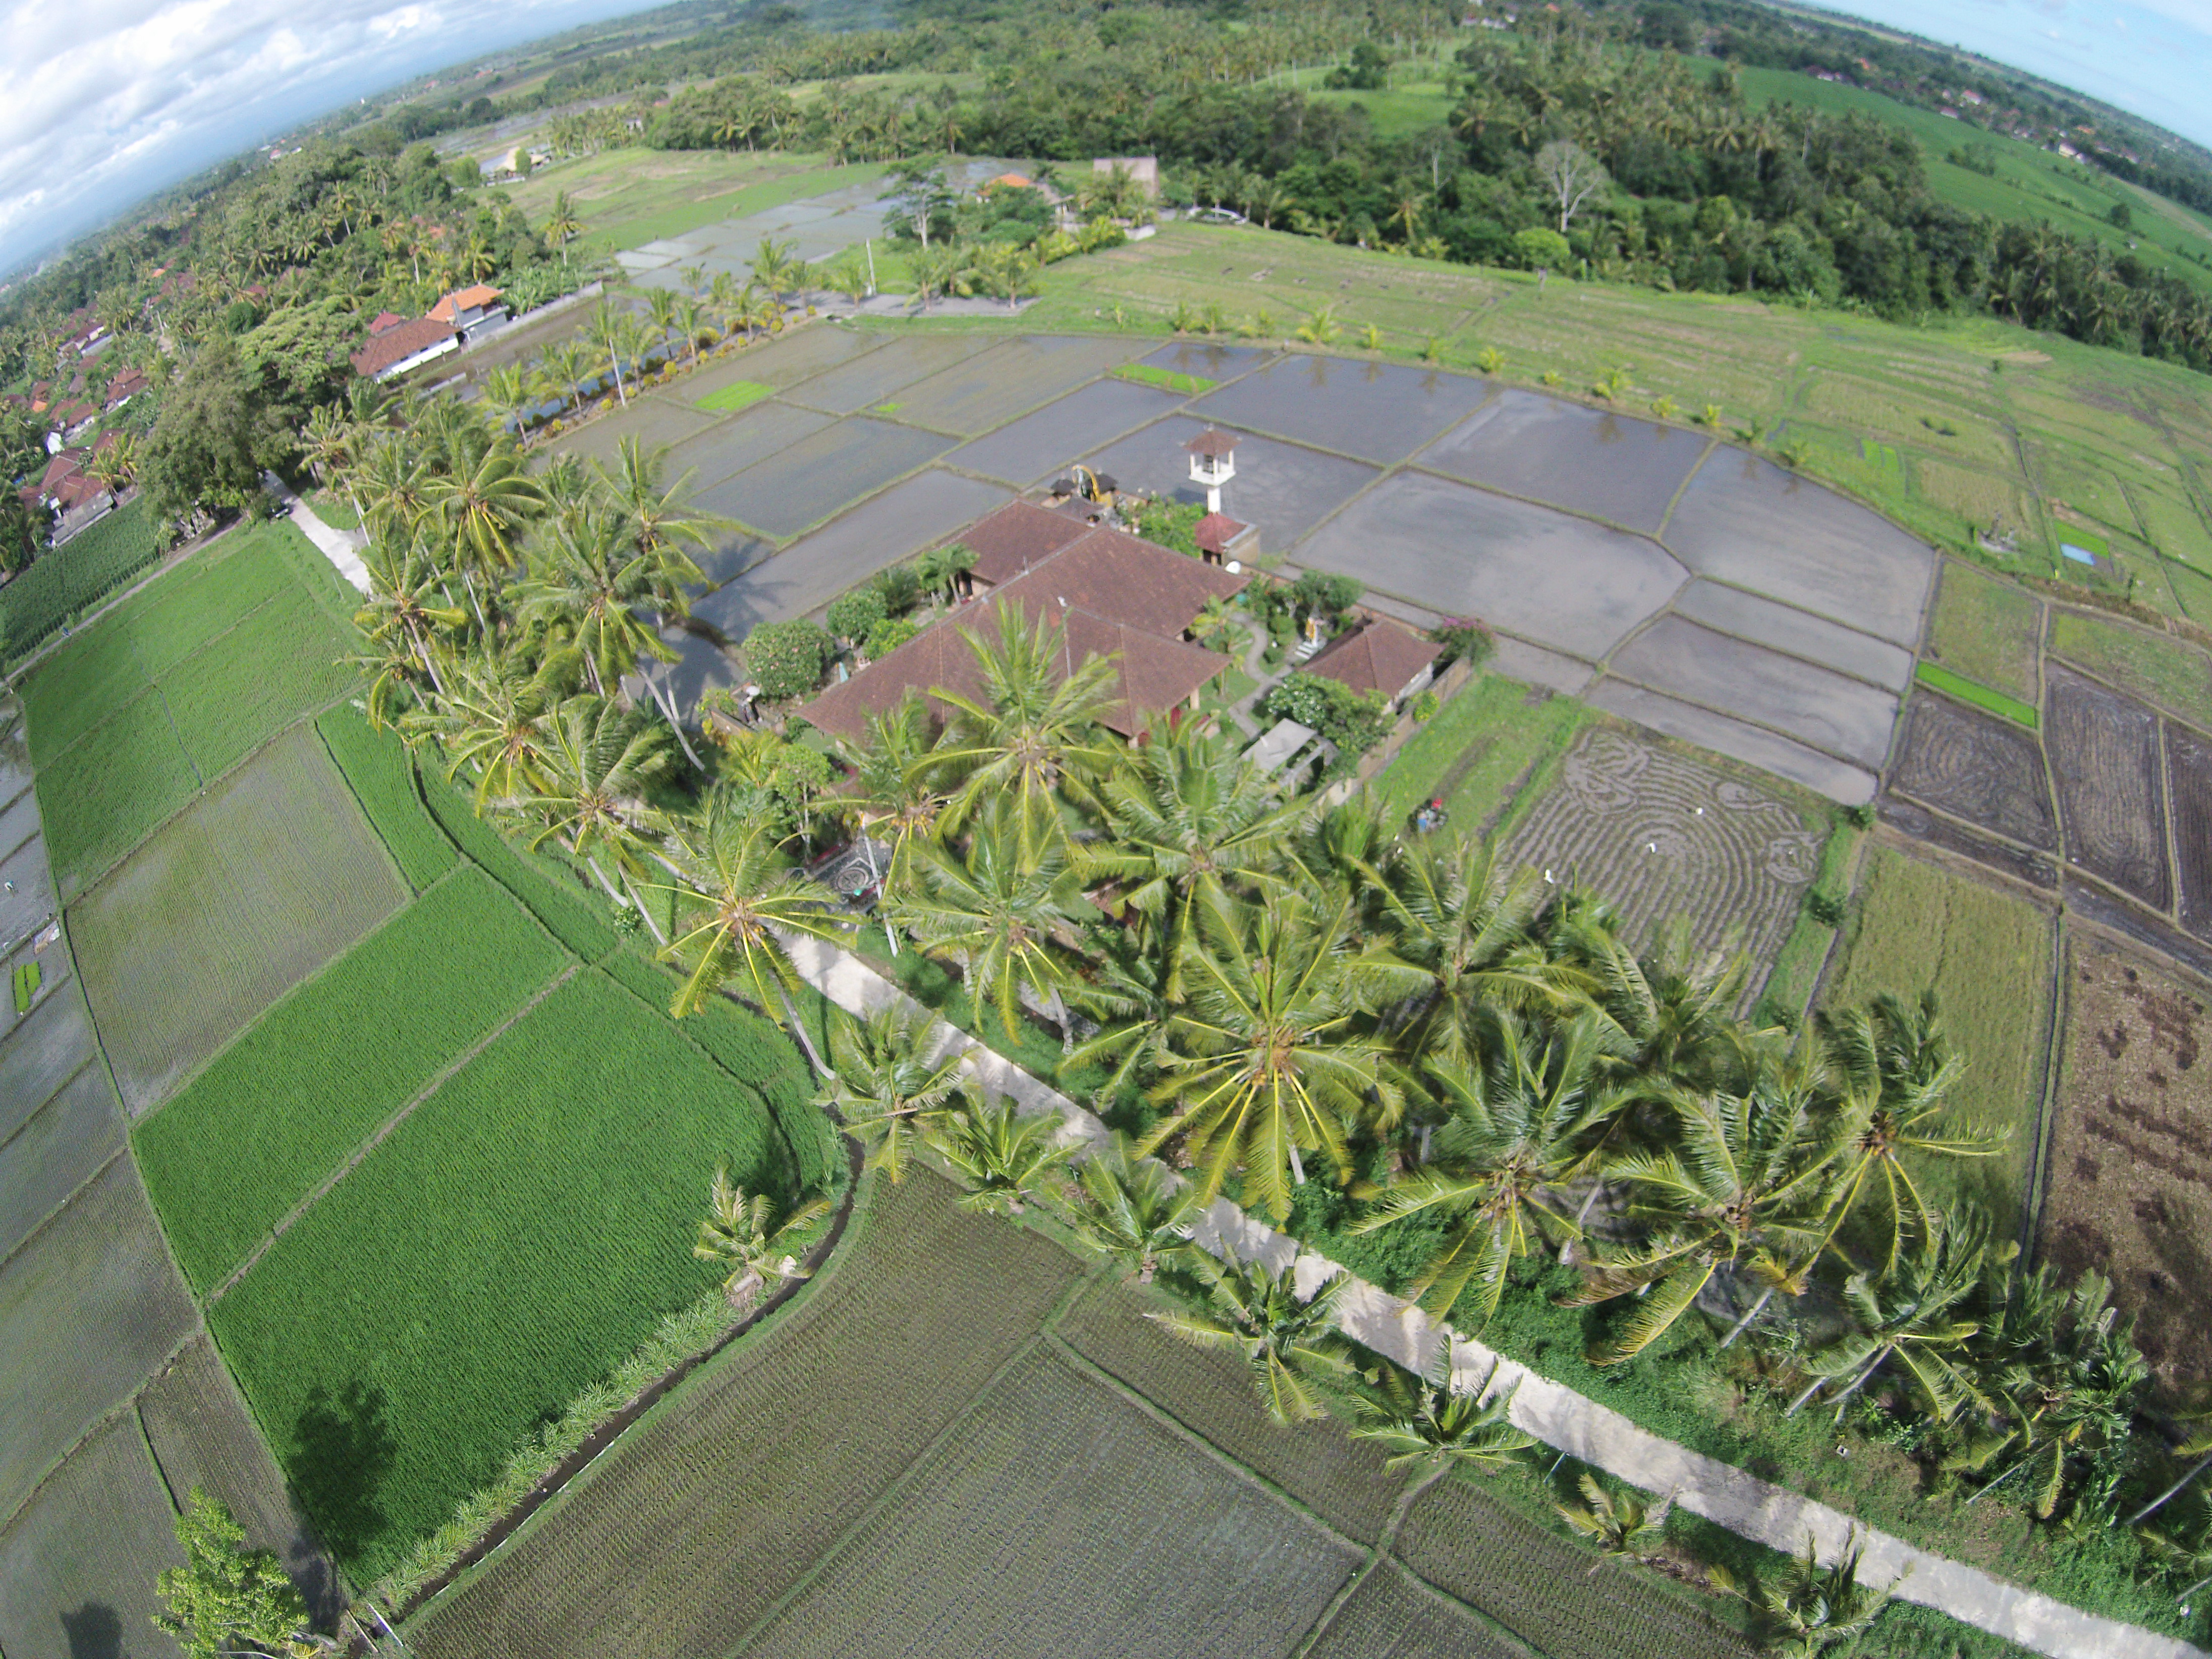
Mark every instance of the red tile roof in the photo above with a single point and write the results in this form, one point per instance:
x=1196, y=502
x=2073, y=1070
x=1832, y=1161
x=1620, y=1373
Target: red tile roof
x=1210, y=443
x=383, y=320
x=62, y=466
x=1379, y=657
x=1116, y=596
x=449, y=309
x=1017, y=536
x=1216, y=531
x=396, y=345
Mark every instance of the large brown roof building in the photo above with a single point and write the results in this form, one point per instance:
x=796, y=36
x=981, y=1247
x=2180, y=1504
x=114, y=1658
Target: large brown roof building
x=1116, y=596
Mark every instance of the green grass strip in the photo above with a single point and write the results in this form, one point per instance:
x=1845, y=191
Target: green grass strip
x=738, y=394
x=568, y=914
x=1167, y=379
x=1967, y=690
x=381, y=774
x=27, y=979
x=280, y=1107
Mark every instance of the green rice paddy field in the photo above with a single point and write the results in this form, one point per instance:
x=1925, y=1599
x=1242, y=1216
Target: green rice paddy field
x=403, y=1101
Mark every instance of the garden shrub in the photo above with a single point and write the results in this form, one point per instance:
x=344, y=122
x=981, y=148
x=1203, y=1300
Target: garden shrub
x=853, y=616
x=887, y=635
x=1353, y=721
x=786, y=658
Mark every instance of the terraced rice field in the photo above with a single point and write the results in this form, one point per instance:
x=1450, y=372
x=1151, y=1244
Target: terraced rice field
x=2107, y=777
x=1665, y=839
x=1978, y=767
x=1988, y=630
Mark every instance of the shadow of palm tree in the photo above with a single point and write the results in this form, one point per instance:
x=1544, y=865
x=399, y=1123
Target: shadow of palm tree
x=93, y=1630
x=343, y=1448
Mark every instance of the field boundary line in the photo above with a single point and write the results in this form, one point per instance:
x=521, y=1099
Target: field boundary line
x=2054, y=1026
x=129, y=1402
x=1729, y=1497
x=69, y=1197
x=1385, y=1550
x=1031, y=1347
x=1092, y=1371
x=321, y=971
x=61, y=637
x=354, y=1159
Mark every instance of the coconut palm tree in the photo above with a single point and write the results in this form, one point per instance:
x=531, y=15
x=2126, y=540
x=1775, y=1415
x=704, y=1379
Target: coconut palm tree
x=1895, y=1070
x=893, y=1077
x=482, y=510
x=1455, y=911
x=738, y=899
x=1620, y=1522
x=755, y=1237
x=2183, y=1547
x=1433, y=1425
x=589, y=584
x=1524, y=1117
x=997, y=913
x=777, y=268
x=1033, y=734
x=326, y=442
x=940, y=569
x=1124, y=986
x=562, y=227
x=1808, y=1608
x=1744, y=1181
x=1909, y=1316
x=1005, y=1158
x=1189, y=822
x=489, y=719
x=613, y=334
x=1267, y=1057
x=593, y=773
x=1284, y=1339
x=508, y=393
x=660, y=514
x=1131, y=1209
x=564, y=368
x=893, y=794
x=404, y=624
x=391, y=484
x=2064, y=1371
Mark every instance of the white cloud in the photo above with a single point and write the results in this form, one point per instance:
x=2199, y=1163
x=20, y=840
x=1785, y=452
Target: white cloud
x=102, y=102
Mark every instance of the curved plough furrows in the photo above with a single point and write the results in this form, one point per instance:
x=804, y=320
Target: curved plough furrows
x=1978, y=768
x=1664, y=839
x=2105, y=761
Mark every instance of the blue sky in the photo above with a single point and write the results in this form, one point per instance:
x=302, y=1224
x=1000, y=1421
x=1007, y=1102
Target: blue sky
x=102, y=102
x=2153, y=57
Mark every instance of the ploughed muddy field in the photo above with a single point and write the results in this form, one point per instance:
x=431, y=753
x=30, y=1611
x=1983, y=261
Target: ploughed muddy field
x=2130, y=1191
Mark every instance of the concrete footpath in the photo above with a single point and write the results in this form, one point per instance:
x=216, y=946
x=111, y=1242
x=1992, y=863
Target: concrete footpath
x=1556, y=1414
x=341, y=547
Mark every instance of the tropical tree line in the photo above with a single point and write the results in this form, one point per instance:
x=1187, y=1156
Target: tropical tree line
x=1289, y=1005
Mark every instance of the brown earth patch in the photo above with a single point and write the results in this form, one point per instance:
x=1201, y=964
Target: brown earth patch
x=2104, y=759
x=2131, y=1191
x=1977, y=767
x=2189, y=787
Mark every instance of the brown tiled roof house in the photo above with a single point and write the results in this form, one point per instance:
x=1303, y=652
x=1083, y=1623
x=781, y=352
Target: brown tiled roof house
x=385, y=351
x=1377, y=656
x=1115, y=595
